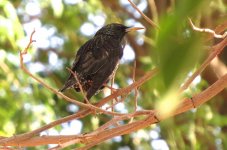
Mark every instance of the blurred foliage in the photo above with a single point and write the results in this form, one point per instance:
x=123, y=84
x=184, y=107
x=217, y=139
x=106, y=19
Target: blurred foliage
x=62, y=26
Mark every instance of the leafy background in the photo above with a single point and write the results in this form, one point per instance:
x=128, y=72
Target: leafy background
x=62, y=26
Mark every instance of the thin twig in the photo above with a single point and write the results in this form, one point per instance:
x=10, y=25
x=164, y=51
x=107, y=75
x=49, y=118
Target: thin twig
x=109, y=87
x=153, y=10
x=80, y=86
x=206, y=30
x=111, y=90
x=144, y=16
x=136, y=88
x=29, y=44
x=117, y=102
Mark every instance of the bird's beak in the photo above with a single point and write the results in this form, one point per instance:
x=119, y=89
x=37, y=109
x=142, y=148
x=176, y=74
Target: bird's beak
x=133, y=29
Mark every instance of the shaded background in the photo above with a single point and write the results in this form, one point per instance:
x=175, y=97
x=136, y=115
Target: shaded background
x=62, y=26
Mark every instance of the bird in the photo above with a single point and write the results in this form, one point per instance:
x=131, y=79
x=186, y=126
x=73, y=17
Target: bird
x=97, y=60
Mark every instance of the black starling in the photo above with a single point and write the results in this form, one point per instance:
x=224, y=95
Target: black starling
x=97, y=60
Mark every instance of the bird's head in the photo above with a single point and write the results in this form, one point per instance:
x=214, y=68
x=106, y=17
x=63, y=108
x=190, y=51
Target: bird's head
x=116, y=30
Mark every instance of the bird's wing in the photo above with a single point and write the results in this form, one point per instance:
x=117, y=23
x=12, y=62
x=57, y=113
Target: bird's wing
x=101, y=53
x=71, y=79
x=90, y=57
x=83, y=50
x=91, y=62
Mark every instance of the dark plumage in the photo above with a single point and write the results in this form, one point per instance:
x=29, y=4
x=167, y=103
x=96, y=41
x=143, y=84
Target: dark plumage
x=97, y=59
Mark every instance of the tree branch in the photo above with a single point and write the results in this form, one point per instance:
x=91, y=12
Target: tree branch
x=206, y=30
x=144, y=16
x=103, y=133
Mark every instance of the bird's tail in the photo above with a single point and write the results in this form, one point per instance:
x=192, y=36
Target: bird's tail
x=68, y=84
x=62, y=89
